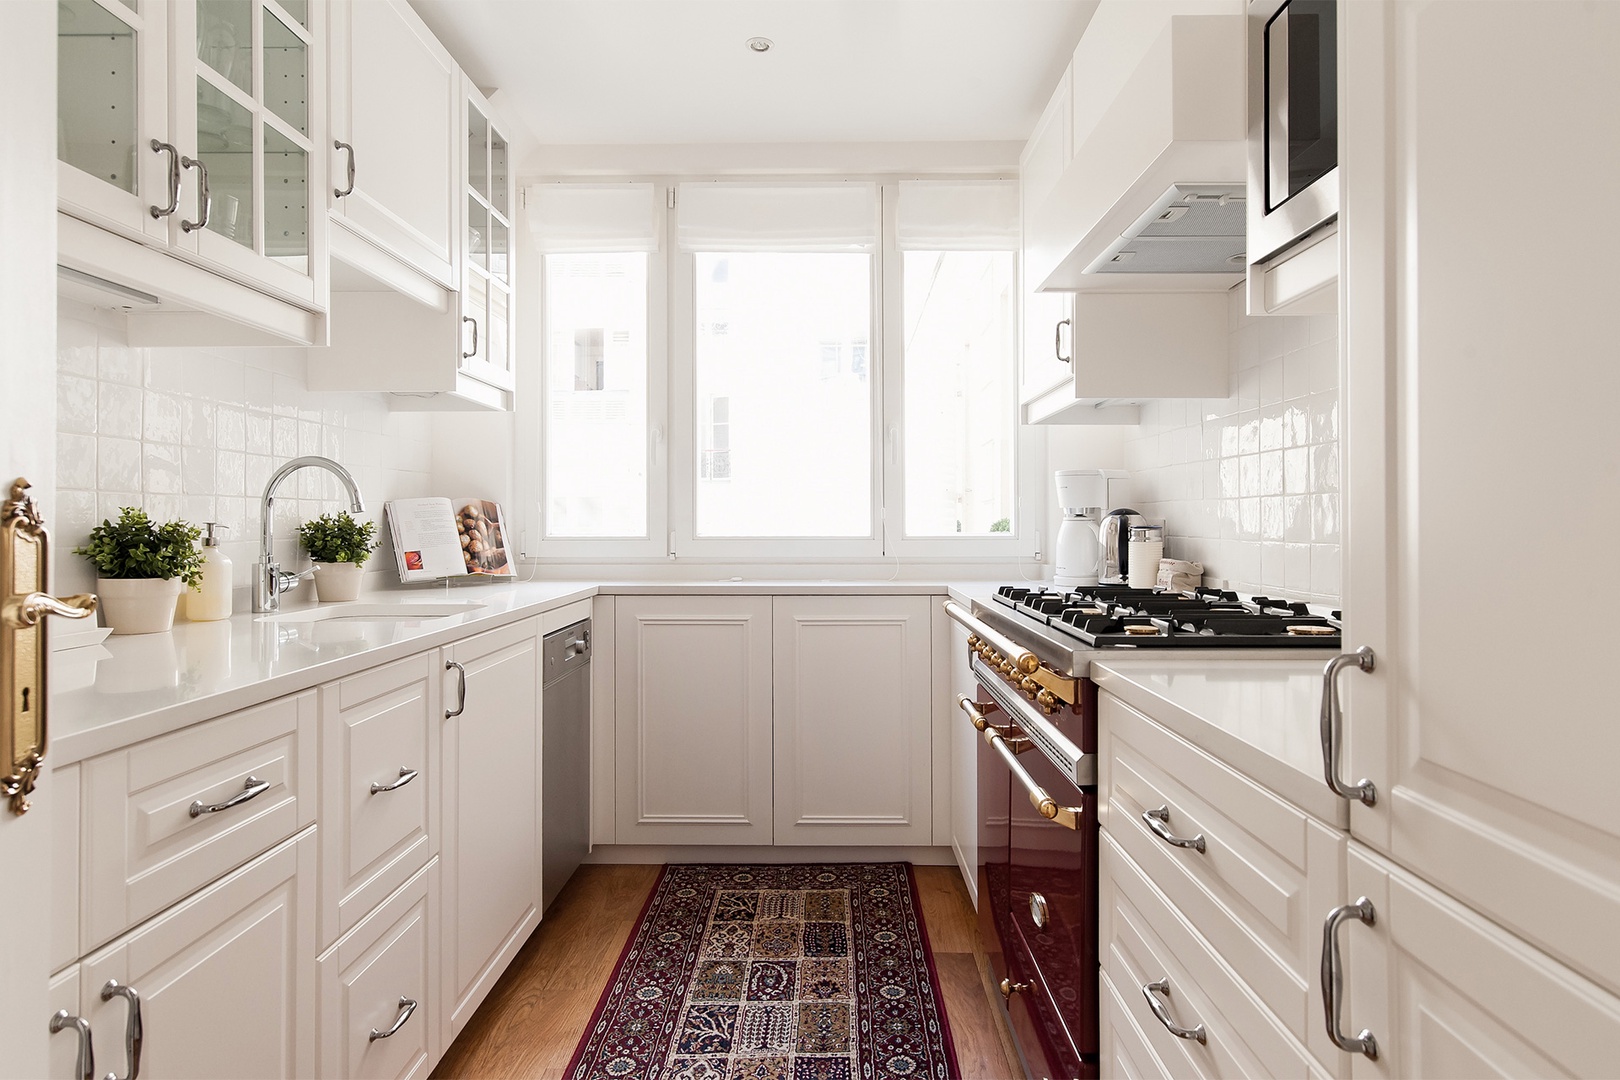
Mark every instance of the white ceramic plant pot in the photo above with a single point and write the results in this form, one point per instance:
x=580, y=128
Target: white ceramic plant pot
x=138, y=605
x=337, y=581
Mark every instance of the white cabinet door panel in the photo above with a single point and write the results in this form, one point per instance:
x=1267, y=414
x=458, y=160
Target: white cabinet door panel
x=1479, y=347
x=692, y=709
x=853, y=697
x=964, y=759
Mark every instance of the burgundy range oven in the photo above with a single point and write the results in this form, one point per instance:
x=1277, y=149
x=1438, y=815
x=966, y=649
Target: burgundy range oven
x=1036, y=709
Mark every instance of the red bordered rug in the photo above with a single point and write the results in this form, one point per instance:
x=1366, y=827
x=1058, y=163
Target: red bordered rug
x=818, y=972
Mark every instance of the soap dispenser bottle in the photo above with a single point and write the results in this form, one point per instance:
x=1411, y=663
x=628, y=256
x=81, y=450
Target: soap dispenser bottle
x=212, y=600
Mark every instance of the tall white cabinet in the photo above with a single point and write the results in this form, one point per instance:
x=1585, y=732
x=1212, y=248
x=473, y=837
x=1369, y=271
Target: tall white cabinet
x=1479, y=375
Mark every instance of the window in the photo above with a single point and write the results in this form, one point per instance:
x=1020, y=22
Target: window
x=716, y=463
x=596, y=395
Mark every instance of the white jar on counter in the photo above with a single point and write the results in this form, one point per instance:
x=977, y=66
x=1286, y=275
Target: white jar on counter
x=1144, y=550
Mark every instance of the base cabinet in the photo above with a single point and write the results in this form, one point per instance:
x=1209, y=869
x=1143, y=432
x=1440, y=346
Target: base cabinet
x=491, y=763
x=226, y=979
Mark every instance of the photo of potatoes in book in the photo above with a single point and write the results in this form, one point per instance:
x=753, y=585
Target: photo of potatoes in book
x=483, y=540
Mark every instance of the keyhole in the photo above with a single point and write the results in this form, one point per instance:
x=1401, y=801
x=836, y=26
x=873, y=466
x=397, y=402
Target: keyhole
x=25, y=692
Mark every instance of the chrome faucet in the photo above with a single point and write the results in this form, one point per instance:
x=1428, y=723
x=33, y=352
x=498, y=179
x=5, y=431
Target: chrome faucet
x=269, y=582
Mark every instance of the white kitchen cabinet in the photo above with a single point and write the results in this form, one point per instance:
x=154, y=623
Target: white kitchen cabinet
x=1040, y=167
x=395, y=105
x=491, y=810
x=486, y=295
x=1479, y=348
x=852, y=687
x=1445, y=992
x=380, y=783
x=67, y=1043
x=692, y=719
x=383, y=977
x=189, y=137
x=964, y=758
x=226, y=978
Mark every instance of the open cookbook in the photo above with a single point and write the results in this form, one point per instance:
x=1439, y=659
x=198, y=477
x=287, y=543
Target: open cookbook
x=445, y=538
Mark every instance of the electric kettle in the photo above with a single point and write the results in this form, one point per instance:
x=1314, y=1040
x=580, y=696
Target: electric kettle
x=1113, y=560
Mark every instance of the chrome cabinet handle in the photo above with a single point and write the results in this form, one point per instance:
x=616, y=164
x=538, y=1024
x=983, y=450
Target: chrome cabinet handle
x=470, y=355
x=461, y=695
x=1333, y=977
x=1161, y=1012
x=1333, y=724
x=174, y=179
x=205, y=204
x=338, y=144
x=1039, y=913
x=252, y=788
x=406, y=1007
x=84, y=1066
x=132, y=1029
x=1159, y=822
x=1057, y=340
x=405, y=777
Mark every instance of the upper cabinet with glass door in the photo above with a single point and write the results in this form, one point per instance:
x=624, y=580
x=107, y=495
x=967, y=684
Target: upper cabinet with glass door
x=486, y=294
x=247, y=106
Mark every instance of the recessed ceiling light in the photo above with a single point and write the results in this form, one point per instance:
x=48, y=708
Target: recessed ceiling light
x=760, y=44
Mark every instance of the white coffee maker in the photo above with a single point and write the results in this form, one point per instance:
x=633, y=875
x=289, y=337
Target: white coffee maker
x=1085, y=495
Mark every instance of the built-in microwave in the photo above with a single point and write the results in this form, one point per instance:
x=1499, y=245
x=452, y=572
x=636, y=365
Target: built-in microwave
x=1293, y=122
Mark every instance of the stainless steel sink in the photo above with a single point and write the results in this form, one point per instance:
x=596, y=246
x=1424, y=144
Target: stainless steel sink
x=372, y=613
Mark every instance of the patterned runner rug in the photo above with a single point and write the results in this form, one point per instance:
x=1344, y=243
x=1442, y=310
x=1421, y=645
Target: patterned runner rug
x=818, y=972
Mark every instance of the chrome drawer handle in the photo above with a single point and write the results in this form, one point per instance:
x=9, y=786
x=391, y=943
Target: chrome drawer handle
x=405, y=777
x=205, y=203
x=406, y=1007
x=1039, y=913
x=160, y=212
x=461, y=697
x=1333, y=977
x=1161, y=1012
x=133, y=1034
x=1159, y=822
x=1332, y=725
x=84, y=1066
x=338, y=144
x=252, y=788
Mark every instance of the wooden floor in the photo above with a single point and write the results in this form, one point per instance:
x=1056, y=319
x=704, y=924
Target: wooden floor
x=534, y=1017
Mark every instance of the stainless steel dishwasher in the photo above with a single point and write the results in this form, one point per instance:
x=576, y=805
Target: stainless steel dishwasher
x=565, y=754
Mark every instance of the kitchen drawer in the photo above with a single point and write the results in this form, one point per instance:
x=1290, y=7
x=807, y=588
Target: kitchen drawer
x=391, y=955
x=1266, y=871
x=379, y=730
x=1126, y=1054
x=143, y=850
x=1145, y=940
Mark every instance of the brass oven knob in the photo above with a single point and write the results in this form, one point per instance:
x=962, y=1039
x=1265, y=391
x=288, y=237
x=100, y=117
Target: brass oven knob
x=1009, y=988
x=1046, y=700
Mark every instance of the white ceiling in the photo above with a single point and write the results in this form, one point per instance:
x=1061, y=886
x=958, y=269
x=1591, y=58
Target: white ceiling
x=678, y=71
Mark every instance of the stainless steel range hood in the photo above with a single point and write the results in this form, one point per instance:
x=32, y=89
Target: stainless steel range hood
x=1191, y=229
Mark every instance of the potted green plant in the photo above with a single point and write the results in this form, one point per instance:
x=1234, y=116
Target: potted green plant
x=340, y=546
x=140, y=566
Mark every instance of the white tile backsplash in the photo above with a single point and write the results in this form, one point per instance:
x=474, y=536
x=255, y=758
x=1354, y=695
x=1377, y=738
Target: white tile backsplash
x=1248, y=484
x=196, y=433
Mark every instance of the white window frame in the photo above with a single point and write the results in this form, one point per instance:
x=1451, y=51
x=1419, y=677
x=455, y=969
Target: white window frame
x=532, y=407
x=686, y=429
x=674, y=426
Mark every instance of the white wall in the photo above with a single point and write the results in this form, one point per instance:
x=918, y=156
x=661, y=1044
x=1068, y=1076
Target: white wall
x=1249, y=484
x=196, y=433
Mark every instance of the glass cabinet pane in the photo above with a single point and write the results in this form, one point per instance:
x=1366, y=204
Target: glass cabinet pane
x=225, y=145
x=286, y=73
x=96, y=107
x=286, y=201
x=497, y=249
x=298, y=9
x=497, y=172
x=225, y=39
x=477, y=151
x=495, y=351
x=477, y=233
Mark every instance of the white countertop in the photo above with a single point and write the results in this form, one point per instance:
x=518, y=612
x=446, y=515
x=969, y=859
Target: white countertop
x=138, y=687
x=1261, y=716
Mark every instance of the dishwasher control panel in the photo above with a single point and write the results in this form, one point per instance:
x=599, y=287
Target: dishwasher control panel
x=567, y=649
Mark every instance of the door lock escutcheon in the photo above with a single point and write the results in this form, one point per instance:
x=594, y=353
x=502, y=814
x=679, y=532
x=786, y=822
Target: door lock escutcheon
x=24, y=605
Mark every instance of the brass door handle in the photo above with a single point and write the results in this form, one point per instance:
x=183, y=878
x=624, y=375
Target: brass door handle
x=1009, y=988
x=25, y=600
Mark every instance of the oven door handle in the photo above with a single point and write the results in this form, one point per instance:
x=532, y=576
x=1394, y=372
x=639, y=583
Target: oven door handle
x=1044, y=804
x=1019, y=657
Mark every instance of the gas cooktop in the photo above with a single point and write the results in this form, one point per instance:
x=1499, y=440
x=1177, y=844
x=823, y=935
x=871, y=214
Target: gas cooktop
x=1106, y=616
